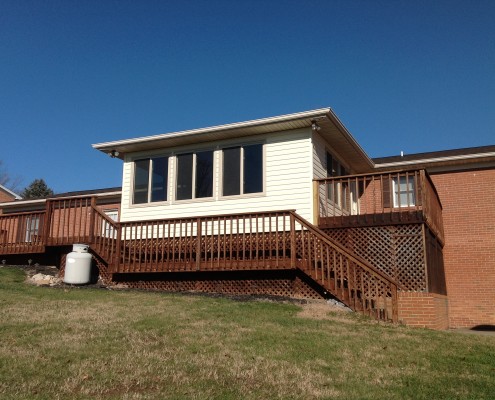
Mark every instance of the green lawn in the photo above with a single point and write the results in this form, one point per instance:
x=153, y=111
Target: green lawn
x=103, y=344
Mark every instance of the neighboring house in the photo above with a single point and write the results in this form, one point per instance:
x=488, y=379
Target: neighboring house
x=8, y=195
x=24, y=227
x=293, y=206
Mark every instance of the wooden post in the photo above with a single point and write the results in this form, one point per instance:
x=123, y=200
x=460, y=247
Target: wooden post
x=198, y=244
x=395, y=304
x=48, y=221
x=116, y=256
x=92, y=220
x=316, y=203
x=292, y=241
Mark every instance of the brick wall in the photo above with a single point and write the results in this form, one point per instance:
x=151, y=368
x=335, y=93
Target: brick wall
x=4, y=196
x=468, y=200
x=423, y=310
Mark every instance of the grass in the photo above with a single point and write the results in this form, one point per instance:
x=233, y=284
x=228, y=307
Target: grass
x=102, y=344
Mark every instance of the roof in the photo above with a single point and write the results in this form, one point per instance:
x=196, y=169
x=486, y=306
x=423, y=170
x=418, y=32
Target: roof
x=106, y=192
x=14, y=195
x=330, y=127
x=454, y=157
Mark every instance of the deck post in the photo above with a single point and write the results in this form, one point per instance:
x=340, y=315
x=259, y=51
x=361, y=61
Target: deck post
x=116, y=256
x=198, y=243
x=92, y=216
x=48, y=220
x=292, y=241
x=395, y=304
x=316, y=203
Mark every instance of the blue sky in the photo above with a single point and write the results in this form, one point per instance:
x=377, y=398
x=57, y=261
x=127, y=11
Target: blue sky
x=402, y=75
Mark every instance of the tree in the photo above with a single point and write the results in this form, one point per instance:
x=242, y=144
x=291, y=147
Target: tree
x=6, y=179
x=38, y=189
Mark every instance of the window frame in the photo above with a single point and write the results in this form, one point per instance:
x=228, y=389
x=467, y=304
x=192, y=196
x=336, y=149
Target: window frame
x=410, y=191
x=241, y=171
x=339, y=194
x=150, y=160
x=194, y=175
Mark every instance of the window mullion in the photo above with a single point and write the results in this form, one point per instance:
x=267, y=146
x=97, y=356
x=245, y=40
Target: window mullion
x=150, y=179
x=241, y=169
x=193, y=178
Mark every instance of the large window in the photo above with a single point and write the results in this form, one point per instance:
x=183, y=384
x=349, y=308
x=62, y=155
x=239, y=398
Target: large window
x=194, y=175
x=242, y=170
x=150, y=180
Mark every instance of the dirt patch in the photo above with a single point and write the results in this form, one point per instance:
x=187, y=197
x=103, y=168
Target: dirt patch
x=321, y=310
x=48, y=275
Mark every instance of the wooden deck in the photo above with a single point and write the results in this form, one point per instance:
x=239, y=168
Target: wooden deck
x=401, y=197
x=263, y=241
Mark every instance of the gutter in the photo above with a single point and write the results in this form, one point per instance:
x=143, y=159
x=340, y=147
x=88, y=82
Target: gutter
x=435, y=160
x=238, y=125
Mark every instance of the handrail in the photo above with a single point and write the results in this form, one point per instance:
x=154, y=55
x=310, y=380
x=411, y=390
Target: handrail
x=392, y=172
x=244, y=214
x=105, y=236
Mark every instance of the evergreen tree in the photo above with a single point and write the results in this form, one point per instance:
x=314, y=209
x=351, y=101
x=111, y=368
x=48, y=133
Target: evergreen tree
x=38, y=189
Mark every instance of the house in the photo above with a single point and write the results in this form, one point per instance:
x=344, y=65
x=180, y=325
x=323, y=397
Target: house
x=291, y=206
x=8, y=195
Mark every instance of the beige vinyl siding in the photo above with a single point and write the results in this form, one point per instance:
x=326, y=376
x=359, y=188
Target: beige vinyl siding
x=287, y=185
x=319, y=157
x=319, y=165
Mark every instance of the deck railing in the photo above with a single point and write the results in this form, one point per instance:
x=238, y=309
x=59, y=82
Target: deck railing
x=22, y=232
x=248, y=241
x=379, y=198
x=70, y=220
x=210, y=243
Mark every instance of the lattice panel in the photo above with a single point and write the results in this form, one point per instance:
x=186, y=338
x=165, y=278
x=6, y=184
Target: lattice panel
x=409, y=247
x=294, y=288
x=396, y=250
x=104, y=274
x=63, y=260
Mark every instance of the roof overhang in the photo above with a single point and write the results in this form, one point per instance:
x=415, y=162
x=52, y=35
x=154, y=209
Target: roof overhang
x=38, y=204
x=10, y=192
x=448, y=160
x=330, y=128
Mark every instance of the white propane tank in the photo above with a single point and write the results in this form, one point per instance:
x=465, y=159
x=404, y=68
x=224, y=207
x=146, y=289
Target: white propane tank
x=78, y=265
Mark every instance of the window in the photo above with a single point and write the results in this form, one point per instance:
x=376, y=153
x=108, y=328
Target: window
x=404, y=193
x=108, y=230
x=242, y=170
x=150, y=180
x=194, y=175
x=32, y=228
x=338, y=192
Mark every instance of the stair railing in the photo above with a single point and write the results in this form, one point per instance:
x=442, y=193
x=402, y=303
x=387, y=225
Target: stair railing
x=351, y=279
